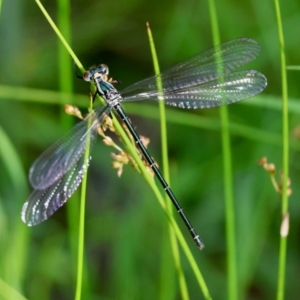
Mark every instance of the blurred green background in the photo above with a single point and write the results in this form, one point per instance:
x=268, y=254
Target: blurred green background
x=127, y=252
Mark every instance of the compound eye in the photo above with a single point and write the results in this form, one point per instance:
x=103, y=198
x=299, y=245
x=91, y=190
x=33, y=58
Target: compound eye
x=104, y=69
x=87, y=76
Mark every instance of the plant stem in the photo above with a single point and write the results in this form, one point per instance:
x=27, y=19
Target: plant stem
x=285, y=155
x=227, y=179
x=166, y=173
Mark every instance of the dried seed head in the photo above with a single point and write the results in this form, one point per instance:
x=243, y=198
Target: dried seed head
x=288, y=183
x=73, y=111
x=150, y=171
x=108, y=141
x=108, y=124
x=262, y=161
x=284, y=228
x=119, y=161
x=100, y=130
x=122, y=157
x=145, y=140
x=269, y=167
x=119, y=166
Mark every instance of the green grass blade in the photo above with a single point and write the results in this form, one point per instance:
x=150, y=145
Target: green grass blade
x=14, y=239
x=293, y=68
x=285, y=156
x=59, y=34
x=166, y=173
x=227, y=178
x=7, y=292
x=66, y=75
x=67, y=87
x=161, y=201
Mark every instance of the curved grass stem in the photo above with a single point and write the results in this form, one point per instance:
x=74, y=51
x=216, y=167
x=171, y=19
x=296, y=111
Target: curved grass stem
x=285, y=157
x=227, y=179
x=166, y=173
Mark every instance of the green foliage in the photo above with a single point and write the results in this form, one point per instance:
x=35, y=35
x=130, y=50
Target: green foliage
x=127, y=251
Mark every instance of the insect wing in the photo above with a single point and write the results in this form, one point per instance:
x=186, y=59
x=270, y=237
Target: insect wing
x=222, y=91
x=63, y=155
x=204, y=67
x=41, y=204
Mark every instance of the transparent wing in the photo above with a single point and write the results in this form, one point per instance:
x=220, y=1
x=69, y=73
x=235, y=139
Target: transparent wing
x=204, y=67
x=41, y=204
x=65, y=153
x=222, y=91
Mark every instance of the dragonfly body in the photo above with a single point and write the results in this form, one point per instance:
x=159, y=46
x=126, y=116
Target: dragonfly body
x=209, y=79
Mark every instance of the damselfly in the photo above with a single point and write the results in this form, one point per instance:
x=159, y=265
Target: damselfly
x=206, y=80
